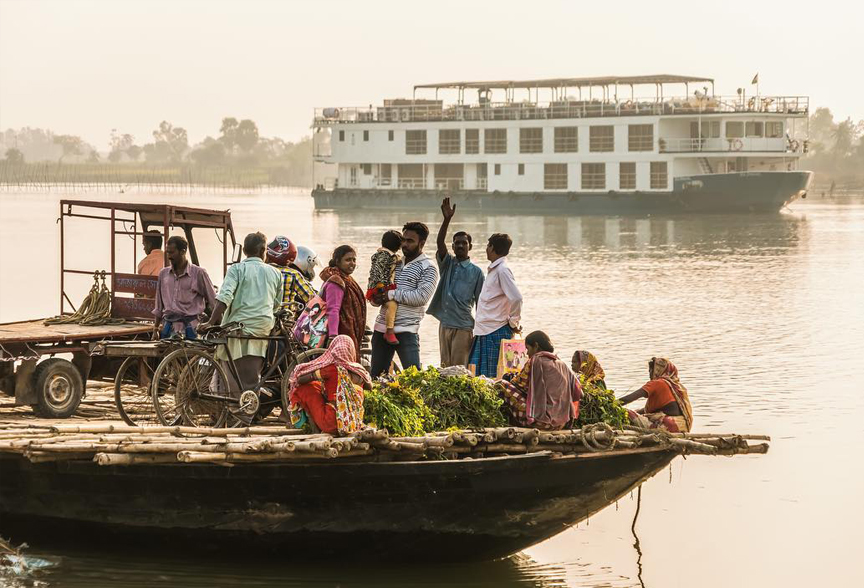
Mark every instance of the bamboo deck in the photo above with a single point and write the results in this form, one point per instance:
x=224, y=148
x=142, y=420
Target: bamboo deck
x=96, y=433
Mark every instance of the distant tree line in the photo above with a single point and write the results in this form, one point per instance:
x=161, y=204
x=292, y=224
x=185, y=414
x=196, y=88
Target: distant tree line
x=835, y=150
x=238, y=146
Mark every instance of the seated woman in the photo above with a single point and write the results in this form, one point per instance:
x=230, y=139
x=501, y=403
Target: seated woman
x=668, y=405
x=330, y=388
x=585, y=363
x=545, y=394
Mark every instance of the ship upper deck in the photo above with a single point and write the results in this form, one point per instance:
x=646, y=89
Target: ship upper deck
x=567, y=98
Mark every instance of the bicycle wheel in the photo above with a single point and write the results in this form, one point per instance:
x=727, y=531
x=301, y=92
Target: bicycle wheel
x=132, y=392
x=180, y=378
x=305, y=357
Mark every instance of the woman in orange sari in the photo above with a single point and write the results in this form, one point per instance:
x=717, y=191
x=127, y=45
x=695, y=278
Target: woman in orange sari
x=668, y=406
x=330, y=388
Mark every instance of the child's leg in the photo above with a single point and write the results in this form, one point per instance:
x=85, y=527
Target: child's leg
x=390, y=321
x=390, y=313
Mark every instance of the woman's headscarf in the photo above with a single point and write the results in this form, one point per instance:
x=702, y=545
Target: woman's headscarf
x=341, y=353
x=587, y=365
x=665, y=370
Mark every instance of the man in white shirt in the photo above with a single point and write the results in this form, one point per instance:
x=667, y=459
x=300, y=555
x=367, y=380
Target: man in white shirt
x=499, y=308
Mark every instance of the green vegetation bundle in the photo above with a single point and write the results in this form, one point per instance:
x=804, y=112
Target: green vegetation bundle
x=599, y=405
x=399, y=409
x=420, y=401
x=461, y=402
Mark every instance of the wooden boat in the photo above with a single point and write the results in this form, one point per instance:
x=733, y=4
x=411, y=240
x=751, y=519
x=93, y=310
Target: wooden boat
x=466, y=509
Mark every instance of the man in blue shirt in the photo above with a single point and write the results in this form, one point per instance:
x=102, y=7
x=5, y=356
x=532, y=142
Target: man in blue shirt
x=457, y=293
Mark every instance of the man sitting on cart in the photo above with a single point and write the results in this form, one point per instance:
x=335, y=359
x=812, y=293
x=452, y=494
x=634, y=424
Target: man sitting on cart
x=182, y=292
x=250, y=294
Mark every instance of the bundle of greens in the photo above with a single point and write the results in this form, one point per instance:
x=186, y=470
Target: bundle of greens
x=599, y=405
x=397, y=408
x=421, y=401
x=461, y=402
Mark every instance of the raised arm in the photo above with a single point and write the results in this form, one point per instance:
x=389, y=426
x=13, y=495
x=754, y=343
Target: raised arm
x=447, y=212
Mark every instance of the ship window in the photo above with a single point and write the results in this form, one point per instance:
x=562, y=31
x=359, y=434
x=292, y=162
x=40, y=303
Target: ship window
x=390, y=135
x=627, y=178
x=495, y=140
x=774, y=129
x=601, y=138
x=640, y=138
x=472, y=141
x=367, y=169
x=659, y=177
x=555, y=176
x=415, y=142
x=521, y=169
x=566, y=139
x=449, y=141
x=411, y=175
x=734, y=130
x=365, y=135
x=531, y=140
x=710, y=129
x=754, y=129
x=341, y=135
x=497, y=169
x=593, y=176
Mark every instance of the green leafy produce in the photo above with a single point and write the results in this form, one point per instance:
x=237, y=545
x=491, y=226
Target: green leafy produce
x=460, y=402
x=420, y=401
x=599, y=405
x=399, y=409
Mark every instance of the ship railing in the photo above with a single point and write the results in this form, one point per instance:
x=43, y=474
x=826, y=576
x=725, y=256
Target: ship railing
x=493, y=111
x=731, y=145
x=412, y=183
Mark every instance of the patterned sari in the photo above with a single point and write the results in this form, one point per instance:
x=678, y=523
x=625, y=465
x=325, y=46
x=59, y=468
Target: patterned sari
x=587, y=365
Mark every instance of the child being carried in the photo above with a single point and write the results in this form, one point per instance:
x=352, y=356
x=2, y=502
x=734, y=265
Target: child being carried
x=382, y=278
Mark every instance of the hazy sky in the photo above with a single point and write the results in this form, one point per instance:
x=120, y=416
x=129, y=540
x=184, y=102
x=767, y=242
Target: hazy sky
x=85, y=67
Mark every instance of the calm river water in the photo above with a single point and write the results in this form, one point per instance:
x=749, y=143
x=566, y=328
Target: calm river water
x=764, y=316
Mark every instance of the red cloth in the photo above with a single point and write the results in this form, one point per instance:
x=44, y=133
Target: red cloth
x=311, y=397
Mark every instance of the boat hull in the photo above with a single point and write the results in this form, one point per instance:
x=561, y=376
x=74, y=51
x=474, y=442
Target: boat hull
x=711, y=193
x=445, y=510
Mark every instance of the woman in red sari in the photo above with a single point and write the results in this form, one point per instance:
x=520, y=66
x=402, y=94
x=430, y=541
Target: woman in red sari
x=330, y=388
x=668, y=406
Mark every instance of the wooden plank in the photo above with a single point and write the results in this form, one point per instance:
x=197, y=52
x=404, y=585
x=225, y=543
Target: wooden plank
x=136, y=284
x=37, y=332
x=132, y=308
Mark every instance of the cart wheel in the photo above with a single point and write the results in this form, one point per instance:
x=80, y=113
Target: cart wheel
x=304, y=357
x=179, y=378
x=58, y=388
x=132, y=392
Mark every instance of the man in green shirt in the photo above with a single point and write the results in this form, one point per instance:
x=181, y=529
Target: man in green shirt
x=250, y=294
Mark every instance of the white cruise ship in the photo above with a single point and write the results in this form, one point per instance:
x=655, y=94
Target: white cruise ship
x=579, y=145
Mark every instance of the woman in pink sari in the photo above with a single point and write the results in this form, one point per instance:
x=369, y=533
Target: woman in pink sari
x=546, y=393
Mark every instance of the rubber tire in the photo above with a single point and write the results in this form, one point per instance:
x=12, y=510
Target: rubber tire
x=48, y=370
x=118, y=400
x=185, y=352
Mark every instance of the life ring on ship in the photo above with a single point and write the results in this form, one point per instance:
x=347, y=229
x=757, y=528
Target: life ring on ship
x=736, y=144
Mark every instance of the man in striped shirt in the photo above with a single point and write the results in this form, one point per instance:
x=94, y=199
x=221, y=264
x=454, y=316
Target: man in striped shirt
x=416, y=277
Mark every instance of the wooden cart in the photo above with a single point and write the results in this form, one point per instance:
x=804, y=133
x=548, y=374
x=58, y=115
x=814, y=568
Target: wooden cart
x=29, y=367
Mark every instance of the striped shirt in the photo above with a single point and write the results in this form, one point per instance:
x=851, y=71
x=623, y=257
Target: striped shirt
x=415, y=284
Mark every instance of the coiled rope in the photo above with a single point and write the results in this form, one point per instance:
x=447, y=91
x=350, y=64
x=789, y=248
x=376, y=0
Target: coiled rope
x=94, y=310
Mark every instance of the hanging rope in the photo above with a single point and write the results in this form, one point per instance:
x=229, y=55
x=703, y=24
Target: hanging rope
x=94, y=310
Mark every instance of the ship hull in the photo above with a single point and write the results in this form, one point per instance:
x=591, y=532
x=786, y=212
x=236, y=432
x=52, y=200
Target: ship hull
x=743, y=192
